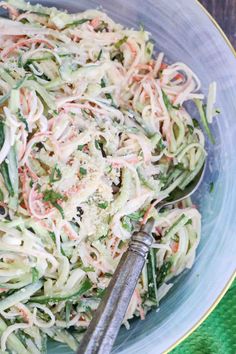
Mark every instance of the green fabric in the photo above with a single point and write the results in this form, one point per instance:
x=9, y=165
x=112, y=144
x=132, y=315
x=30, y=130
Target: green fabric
x=217, y=334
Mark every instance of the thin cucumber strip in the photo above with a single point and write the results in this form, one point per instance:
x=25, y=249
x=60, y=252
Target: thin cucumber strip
x=13, y=343
x=176, y=183
x=14, y=101
x=151, y=184
x=48, y=99
x=54, y=84
x=19, y=84
x=13, y=176
x=180, y=222
x=18, y=285
x=163, y=272
x=172, y=177
x=84, y=287
x=193, y=174
x=187, y=148
x=21, y=295
x=9, y=171
x=5, y=98
x=203, y=117
x=63, y=336
x=152, y=276
x=5, y=173
x=7, y=77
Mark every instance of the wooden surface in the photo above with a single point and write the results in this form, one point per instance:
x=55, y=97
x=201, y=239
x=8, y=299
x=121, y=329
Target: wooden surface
x=224, y=11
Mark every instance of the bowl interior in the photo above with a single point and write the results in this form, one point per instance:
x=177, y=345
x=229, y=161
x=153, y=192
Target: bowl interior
x=185, y=33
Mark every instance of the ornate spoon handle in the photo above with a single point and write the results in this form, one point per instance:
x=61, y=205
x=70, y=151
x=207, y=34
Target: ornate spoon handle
x=106, y=322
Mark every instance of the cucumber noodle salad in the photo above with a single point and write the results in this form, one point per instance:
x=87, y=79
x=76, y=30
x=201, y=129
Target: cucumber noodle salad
x=93, y=133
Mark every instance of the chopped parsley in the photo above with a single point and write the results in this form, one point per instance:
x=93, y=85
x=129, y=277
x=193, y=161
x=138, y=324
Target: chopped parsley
x=103, y=205
x=55, y=175
x=126, y=223
x=53, y=197
x=80, y=147
x=136, y=216
x=52, y=235
x=180, y=166
x=83, y=171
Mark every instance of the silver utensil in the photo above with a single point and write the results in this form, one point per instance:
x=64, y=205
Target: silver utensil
x=104, y=327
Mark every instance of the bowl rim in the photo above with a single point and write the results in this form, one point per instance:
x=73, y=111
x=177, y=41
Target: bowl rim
x=233, y=276
x=204, y=316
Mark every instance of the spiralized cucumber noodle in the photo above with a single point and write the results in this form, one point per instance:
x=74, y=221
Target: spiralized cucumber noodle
x=93, y=133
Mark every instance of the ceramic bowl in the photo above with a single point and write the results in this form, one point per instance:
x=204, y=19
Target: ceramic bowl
x=184, y=31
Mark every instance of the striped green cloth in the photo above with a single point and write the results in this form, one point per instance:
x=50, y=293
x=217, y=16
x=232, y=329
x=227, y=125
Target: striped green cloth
x=217, y=334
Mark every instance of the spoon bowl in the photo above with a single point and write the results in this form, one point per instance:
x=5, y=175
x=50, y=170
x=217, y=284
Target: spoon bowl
x=177, y=195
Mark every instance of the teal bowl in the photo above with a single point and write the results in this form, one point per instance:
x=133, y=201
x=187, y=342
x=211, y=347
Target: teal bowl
x=184, y=31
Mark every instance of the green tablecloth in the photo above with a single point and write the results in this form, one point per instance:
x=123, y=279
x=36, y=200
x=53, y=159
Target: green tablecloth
x=217, y=334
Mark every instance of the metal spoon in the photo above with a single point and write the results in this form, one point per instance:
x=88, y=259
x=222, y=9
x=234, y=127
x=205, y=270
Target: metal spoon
x=104, y=327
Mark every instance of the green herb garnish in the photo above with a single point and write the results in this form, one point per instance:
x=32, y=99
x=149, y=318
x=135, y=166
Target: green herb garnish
x=55, y=175
x=80, y=147
x=52, y=235
x=83, y=171
x=126, y=223
x=202, y=112
x=103, y=205
x=52, y=197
